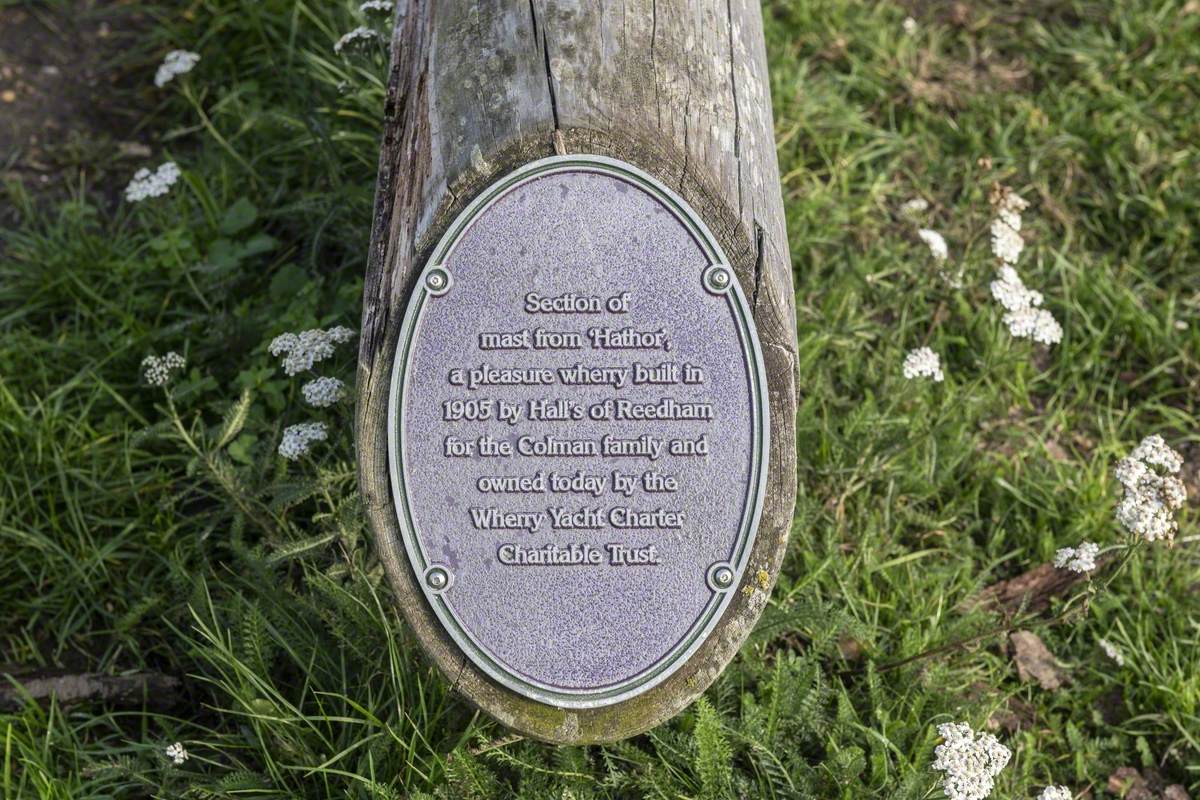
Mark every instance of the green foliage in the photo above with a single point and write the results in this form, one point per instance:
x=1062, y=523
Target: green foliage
x=146, y=530
x=713, y=754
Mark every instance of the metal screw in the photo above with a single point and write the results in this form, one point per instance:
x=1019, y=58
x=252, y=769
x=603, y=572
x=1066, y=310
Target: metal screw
x=436, y=280
x=720, y=278
x=437, y=578
x=723, y=577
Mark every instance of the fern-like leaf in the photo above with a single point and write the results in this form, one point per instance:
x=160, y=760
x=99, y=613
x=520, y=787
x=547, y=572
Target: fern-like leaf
x=714, y=757
x=290, y=550
x=235, y=419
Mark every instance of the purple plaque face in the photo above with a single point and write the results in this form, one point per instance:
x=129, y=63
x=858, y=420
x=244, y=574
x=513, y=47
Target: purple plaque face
x=578, y=431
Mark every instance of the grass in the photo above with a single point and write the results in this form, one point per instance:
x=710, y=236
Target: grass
x=145, y=535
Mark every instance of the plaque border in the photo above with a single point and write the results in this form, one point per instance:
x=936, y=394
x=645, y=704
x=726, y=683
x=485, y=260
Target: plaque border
x=708, y=619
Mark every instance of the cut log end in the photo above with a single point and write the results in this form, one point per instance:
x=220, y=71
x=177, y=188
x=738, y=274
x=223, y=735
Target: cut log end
x=678, y=89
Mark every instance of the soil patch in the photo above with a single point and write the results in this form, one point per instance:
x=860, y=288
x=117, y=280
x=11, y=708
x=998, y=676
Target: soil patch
x=64, y=69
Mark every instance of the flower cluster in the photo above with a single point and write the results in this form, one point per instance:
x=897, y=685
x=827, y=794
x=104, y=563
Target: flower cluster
x=1152, y=492
x=1007, y=242
x=323, y=392
x=1112, y=652
x=159, y=370
x=1055, y=793
x=301, y=350
x=297, y=439
x=1010, y=291
x=376, y=6
x=1025, y=318
x=359, y=37
x=1034, y=323
x=936, y=243
x=177, y=753
x=971, y=762
x=1080, y=559
x=298, y=353
x=912, y=210
x=914, y=207
x=147, y=184
x=176, y=62
x=923, y=363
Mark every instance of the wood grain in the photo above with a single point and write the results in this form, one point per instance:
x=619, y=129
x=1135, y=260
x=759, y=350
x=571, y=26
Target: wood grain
x=677, y=88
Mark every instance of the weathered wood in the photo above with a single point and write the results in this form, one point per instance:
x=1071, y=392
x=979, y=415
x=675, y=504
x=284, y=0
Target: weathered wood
x=151, y=689
x=677, y=88
x=1032, y=590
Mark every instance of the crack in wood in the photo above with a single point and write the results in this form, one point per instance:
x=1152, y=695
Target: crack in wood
x=737, y=113
x=546, y=64
x=445, y=102
x=758, y=263
x=654, y=59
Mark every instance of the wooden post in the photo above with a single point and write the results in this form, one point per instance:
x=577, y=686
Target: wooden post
x=677, y=88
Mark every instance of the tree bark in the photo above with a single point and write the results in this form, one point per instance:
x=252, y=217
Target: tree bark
x=676, y=88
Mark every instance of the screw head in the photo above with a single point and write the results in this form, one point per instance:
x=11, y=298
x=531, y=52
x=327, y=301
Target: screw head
x=437, y=281
x=718, y=279
x=437, y=578
x=723, y=577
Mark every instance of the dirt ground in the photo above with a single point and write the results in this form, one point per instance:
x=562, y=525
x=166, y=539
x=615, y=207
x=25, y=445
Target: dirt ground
x=63, y=71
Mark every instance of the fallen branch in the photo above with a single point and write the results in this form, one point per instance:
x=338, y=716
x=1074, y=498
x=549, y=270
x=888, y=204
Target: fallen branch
x=1021, y=600
x=152, y=689
x=1031, y=590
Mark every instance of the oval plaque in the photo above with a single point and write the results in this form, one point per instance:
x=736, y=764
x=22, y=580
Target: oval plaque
x=578, y=432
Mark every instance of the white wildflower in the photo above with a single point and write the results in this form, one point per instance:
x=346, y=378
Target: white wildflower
x=323, y=392
x=159, y=370
x=1147, y=517
x=1154, y=451
x=1112, y=652
x=152, y=184
x=909, y=25
x=970, y=762
x=1010, y=291
x=359, y=37
x=376, y=6
x=177, y=753
x=1152, y=492
x=176, y=62
x=340, y=334
x=297, y=439
x=1080, y=559
x=301, y=350
x=1010, y=216
x=1174, y=492
x=923, y=363
x=935, y=242
x=1006, y=201
x=1024, y=318
x=914, y=207
x=1130, y=473
x=1007, y=243
x=1055, y=793
x=1034, y=323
